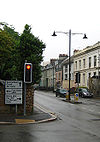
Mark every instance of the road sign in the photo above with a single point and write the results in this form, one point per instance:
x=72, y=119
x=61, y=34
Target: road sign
x=13, y=84
x=13, y=99
x=76, y=97
x=13, y=92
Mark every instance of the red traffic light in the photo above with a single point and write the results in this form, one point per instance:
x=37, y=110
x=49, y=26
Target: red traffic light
x=28, y=67
x=28, y=73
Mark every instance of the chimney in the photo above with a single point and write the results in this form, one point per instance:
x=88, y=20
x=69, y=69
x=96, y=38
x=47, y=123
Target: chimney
x=62, y=56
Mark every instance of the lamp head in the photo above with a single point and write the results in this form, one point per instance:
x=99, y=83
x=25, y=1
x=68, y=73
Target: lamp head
x=85, y=37
x=54, y=34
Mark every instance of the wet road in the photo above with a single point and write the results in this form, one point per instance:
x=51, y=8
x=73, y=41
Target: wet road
x=75, y=123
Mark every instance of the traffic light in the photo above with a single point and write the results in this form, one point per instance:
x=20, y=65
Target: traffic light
x=77, y=78
x=27, y=72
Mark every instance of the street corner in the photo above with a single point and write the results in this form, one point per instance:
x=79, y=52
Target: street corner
x=40, y=115
x=29, y=121
x=50, y=116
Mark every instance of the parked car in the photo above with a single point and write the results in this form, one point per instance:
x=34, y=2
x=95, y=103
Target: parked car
x=61, y=92
x=84, y=92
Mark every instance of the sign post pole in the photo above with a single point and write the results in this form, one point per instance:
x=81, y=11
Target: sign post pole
x=24, y=91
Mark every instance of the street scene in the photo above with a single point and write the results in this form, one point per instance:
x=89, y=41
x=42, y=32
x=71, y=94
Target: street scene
x=75, y=122
x=50, y=71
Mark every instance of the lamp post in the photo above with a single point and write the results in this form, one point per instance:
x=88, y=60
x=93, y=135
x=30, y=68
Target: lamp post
x=69, y=33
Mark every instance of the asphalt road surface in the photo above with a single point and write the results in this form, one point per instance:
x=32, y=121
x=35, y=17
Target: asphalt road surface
x=75, y=122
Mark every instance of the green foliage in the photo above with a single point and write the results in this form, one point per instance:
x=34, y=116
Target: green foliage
x=6, y=49
x=31, y=49
x=15, y=49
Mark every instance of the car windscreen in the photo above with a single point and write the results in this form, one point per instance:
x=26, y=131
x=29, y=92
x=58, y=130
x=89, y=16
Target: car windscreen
x=63, y=91
x=84, y=90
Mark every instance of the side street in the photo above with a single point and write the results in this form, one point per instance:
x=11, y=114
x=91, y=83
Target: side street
x=50, y=71
x=84, y=71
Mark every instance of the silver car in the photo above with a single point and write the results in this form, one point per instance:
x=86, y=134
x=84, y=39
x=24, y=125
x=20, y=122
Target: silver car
x=84, y=92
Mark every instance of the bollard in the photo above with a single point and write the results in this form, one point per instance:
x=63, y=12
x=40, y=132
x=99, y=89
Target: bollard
x=76, y=97
x=67, y=96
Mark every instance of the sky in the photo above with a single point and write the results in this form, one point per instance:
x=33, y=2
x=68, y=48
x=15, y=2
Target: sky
x=45, y=16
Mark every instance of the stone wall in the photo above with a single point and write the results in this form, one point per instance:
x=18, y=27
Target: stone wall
x=94, y=86
x=29, y=99
x=11, y=109
x=3, y=108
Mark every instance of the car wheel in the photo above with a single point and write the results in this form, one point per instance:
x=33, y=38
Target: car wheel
x=56, y=94
x=82, y=96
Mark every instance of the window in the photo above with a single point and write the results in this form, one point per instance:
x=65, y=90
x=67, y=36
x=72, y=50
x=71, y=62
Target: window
x=89, y=62
x=77, y=77
x=59, y=66
x=89, y=75
x=59, y=76
x=99, y=60
x=94, y=73
x=76, y=65
x=66, y=76
x=83, y=79
x=79, y=64
x=95, y=59
x=56, y=76
x=66, y=68
x=83, y=63
x=72, y=76
x=99, y=73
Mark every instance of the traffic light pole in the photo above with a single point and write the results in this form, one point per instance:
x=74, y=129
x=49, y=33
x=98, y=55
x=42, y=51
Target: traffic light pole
x=24, y=99
x=27, y=79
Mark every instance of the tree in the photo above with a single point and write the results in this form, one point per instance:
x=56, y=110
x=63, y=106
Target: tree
x=31, y=49
x=8, y=54
x=15, y=49
x=5, y=53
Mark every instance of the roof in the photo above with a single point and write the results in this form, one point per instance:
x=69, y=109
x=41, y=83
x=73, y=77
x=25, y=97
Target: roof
x=87, y=49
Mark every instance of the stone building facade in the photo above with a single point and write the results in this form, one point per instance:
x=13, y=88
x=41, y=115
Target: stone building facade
x=65, y=72
x=87, y=63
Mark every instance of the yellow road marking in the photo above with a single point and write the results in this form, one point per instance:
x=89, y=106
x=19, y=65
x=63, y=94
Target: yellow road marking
x=22, y=121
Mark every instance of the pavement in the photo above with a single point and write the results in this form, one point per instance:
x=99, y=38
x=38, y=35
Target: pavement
x=39, y=115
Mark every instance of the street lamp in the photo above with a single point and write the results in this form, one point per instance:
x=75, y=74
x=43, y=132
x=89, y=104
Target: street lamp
x=69, y=33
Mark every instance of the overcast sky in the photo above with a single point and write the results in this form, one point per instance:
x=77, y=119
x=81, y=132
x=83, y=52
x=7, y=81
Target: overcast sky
x=45, y=16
